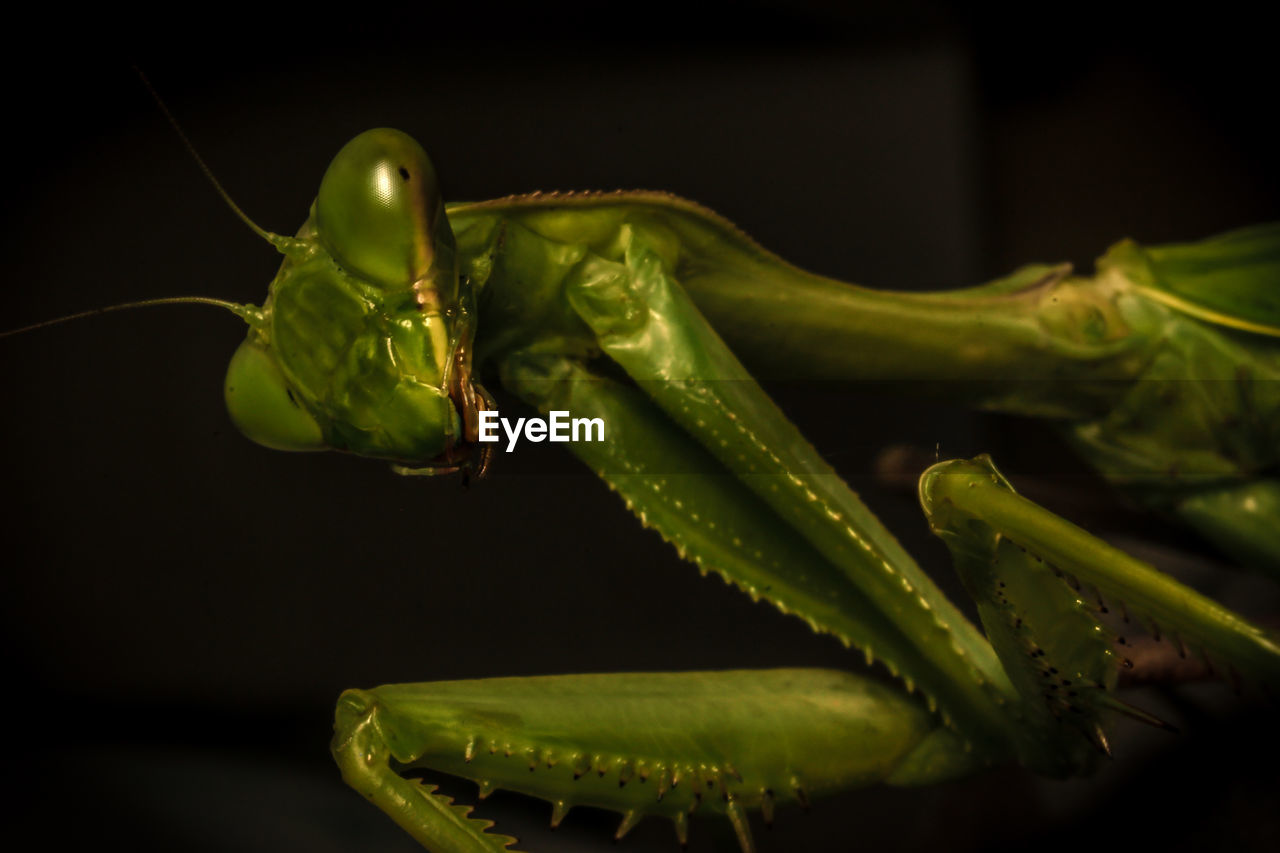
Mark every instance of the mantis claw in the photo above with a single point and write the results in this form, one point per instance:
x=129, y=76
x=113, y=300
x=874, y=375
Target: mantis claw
x=364, y=747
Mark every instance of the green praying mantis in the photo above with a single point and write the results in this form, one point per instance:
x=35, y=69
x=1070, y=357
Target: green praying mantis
x=899, y=712
x=623, y=308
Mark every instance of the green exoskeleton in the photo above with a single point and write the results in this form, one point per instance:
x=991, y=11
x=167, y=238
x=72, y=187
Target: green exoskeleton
x=392, y=311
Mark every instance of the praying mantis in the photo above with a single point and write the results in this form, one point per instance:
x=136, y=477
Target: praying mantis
x=416, y=490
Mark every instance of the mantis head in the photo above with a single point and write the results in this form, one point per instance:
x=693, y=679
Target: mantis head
x=364, y=341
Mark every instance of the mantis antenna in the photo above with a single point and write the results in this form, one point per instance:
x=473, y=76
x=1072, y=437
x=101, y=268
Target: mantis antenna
x=245, y=312
x=276, y=240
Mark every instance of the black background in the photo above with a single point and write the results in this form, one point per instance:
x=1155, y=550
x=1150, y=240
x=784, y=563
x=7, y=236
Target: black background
x=181, y=607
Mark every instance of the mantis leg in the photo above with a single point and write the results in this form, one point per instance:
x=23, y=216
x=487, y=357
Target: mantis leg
x=961, y=494
x=668, y=744
x=643, y=321
x=678, y=488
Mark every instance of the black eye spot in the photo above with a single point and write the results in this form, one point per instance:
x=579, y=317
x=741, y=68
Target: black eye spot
x=404, y=173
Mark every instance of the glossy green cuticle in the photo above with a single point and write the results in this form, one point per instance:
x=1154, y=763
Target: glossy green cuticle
x=654, y=315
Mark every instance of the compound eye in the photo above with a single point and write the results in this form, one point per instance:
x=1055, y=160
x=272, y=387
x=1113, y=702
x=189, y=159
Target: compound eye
x=379, y=207
x=263, y=407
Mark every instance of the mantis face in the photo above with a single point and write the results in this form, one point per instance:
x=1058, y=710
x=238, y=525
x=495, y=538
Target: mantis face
x=364, y=341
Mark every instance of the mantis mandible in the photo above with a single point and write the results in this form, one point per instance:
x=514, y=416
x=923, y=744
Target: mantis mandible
x=554, y=667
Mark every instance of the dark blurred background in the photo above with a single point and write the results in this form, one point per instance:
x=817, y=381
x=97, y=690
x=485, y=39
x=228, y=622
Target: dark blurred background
x=181, y=608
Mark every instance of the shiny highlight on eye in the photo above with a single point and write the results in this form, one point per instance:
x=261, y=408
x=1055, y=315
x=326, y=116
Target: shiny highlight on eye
x=384, y=184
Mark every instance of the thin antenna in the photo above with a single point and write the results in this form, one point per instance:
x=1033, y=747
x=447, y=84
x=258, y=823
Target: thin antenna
x=276, y=240
x=251, y=314
x=245, y=312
